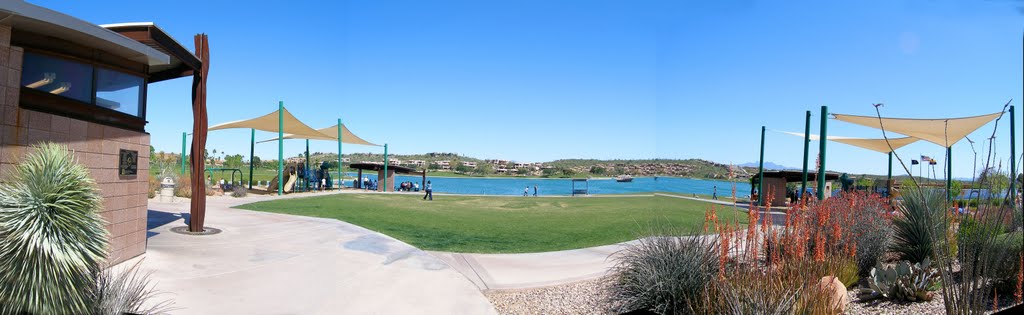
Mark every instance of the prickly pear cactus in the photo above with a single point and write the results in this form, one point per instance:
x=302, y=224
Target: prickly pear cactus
x=903, y=282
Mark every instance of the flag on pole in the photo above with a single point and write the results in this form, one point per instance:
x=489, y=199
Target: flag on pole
x=925, y=158
x=914, y=162
x=932, y=162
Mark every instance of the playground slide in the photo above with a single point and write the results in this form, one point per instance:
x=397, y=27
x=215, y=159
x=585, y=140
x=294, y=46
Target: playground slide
x=289, y=183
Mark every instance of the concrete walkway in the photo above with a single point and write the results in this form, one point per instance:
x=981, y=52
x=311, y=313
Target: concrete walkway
x=264, y=263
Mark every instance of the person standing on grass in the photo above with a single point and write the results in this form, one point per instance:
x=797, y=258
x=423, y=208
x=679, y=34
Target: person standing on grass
x=526, y=191
x=714, y=193
x=430, y=192
x=535, y=190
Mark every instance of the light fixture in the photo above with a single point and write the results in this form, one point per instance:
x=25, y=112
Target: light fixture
x=47, y=78
x=64, y=87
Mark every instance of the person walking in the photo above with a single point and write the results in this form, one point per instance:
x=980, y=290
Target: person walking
x=526, y=191
x=535, y=190
x=714, y=193
x=430, y=192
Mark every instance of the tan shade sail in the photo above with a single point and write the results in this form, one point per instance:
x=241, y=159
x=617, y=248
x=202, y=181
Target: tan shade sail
x=942, y=131
x=330, y=133
x=269, y=123
x=877, y=145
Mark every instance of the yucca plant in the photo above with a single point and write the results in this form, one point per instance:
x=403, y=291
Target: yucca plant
x=918, y=223
x=52, y=239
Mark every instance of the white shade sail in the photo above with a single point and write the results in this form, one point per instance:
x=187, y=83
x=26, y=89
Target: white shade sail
x=877, y=145
x=270, y=123
x=942, y=131
x=330, y=133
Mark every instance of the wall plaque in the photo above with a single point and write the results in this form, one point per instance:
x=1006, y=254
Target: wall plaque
x=129, y=163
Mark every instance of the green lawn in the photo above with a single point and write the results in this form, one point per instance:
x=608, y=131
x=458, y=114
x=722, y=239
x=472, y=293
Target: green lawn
x=502, y=224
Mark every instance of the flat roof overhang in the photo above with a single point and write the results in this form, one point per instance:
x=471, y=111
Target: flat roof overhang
x=796, y=176
x=182, y=62
x=380, y=166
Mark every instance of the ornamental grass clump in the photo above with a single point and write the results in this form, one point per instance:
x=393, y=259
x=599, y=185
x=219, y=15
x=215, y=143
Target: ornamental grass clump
x=52, y=238
x=664, y=273
x=918, y=223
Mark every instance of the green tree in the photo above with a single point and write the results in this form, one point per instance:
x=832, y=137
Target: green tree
x=596, y=170
x=233, y=161
x=994, y=179
x=257, y=162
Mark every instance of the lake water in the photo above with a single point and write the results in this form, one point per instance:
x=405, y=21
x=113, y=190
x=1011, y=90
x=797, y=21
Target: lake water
x=562, y=186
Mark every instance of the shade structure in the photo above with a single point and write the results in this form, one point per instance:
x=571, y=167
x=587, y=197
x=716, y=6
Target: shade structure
x=877, y=145
x=329, y=133
x=942, y=131
x=270, y=123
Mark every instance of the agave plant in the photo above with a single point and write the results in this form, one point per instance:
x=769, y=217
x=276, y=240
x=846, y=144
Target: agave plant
x=52, y=239
x=904, y=282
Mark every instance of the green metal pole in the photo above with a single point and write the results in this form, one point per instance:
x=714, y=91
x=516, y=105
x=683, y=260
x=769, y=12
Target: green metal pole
x=385, y=181
x=888, y=179
x=821, y=152
x=306, y=171
x=182, y=172
x=340, y=182
x=252, y=154
x=1013, y=156
x=949, y=173
x=760, y=173
x=280, y=148
x=807, y=144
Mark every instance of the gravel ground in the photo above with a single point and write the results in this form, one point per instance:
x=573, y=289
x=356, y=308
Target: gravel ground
x=583, y=297
x=883, y=306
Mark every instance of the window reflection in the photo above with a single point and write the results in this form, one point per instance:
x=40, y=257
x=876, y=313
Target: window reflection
x=57, y=76
x=118, y=91
x=114, y=90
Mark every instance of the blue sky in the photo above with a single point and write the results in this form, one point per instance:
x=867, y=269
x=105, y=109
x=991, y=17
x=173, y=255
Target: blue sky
x=544, y=80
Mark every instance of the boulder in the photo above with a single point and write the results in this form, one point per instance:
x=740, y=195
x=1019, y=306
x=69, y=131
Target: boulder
x=835, y=291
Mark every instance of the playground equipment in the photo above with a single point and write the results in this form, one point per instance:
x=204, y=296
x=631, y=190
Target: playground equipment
x=290, y=175
x=222, y=170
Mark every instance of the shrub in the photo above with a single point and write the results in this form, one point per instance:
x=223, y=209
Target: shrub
x=51, y=237
x=183, y=186
x=917, y=223
x=663, y=274
x=154, y=186
x=1004, y=271
x=238, y=191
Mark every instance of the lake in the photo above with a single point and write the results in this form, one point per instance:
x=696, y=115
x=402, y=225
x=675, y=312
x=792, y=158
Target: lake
x=563, y=186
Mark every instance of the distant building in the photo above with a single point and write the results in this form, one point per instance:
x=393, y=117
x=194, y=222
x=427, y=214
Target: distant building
x=416, y=162
x=394, y=162
x=469, y=164
x=521, y=165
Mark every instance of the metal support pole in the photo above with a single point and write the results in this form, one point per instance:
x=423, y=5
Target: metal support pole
x=1013, y=156
x=252, y=155
x=821, y=152
x=182, y=171
x=306, y=171
x=949, y=173
x=280, y=148
x=888, y=179
x=807, y=143
x=760, y=173
x=385, y=181
x=340, y=182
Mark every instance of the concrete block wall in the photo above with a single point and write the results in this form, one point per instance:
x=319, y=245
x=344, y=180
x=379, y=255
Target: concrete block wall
x=94, y=145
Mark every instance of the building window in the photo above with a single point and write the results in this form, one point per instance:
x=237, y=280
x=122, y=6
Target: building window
x=119, y=91
x=57, y=76
x=87, y=83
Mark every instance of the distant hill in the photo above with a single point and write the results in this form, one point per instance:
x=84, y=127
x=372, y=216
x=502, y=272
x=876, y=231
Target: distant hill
x=770, y=166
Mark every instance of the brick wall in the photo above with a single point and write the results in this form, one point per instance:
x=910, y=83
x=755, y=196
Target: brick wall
x=95, y=146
